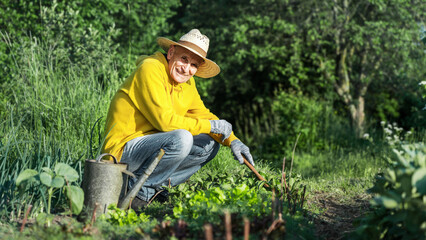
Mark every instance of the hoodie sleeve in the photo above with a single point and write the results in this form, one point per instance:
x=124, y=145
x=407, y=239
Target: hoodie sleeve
x=199, y=111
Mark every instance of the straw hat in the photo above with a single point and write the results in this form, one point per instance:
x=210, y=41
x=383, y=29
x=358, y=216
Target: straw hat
x=197, y=43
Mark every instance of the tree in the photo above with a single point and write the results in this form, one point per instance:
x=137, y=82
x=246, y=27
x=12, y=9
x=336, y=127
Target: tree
x=360, y=42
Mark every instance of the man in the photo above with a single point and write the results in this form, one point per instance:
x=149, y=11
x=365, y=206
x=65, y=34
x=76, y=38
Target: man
x=158, y=107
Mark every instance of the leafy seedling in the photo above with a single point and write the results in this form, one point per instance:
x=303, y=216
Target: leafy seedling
x=57, y=179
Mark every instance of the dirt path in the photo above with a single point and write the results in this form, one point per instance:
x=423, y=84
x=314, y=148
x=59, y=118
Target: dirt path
x=337, y=213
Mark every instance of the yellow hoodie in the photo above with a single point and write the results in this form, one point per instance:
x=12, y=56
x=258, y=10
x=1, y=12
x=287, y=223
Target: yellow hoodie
x=150, y=101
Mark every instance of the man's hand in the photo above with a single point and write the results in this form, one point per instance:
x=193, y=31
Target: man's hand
x=221, y=127
x=239, y=149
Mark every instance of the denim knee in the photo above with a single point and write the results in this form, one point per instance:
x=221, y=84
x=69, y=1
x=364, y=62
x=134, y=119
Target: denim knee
x=181, y=140
x=214, y=150
x=205, y=147
x=208, y=150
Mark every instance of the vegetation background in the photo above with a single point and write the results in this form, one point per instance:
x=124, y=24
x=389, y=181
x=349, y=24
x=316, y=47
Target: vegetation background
x=331, y=71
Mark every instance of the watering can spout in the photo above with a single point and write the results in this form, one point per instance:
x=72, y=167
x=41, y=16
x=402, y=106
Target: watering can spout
x=125, y=201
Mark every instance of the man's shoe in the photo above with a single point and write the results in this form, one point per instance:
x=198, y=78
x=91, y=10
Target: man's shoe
x=138, y=204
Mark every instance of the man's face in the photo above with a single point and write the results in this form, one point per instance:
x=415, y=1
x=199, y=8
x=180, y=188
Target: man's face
x=183, y=64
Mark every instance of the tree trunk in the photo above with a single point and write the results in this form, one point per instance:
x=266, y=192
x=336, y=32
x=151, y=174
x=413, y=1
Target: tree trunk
x=356, y=109
x=358, y=117
x=343, y=87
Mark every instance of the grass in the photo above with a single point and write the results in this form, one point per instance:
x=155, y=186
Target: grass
x=50, y=109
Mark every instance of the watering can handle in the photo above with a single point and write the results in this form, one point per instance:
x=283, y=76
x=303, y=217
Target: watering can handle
x=115, y=162
x=98, y=159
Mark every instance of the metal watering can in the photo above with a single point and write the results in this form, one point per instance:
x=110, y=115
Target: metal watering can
x=105, y=182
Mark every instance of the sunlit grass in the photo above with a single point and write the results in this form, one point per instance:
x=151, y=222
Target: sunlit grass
x=331, y=165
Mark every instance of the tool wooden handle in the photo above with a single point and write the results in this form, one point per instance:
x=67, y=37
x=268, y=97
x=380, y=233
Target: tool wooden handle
x=254, y=171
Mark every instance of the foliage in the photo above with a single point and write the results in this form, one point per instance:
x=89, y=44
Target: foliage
x=399, y=198
x=72, y=23
x=237, y=192
x=44, y=65
x=262, y=57
x=58, y=179
x=394, y=135
x=328, y=51
x=117, y=216
x=208, y=205
x=357, y=38
x=423, y=38
x=17, y=17
x=298, y=114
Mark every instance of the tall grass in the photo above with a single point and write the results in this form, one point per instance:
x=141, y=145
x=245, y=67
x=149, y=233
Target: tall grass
x=50, y=107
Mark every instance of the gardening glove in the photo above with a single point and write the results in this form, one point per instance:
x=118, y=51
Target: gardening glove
x=221, y=127
x=239, y=149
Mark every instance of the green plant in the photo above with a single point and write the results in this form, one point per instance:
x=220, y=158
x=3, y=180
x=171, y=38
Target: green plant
x=58, y=179
x=117, y=216
x=400, y=198
x=209, y=205
x=394, y=135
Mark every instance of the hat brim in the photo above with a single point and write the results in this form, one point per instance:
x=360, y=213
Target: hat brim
x=206, y=70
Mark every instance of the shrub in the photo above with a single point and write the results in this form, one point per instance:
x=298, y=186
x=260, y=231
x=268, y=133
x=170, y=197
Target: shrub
x=314, y=119
x=400, y=198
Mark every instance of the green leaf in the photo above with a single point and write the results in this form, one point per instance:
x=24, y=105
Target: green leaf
x=291, y=182
x=226, y=186
x=46, y=179
x=405, y=181
x=48, y=170
x=391, y=175
x=58, y=182
x=419, y=180
x=387, y=202
x=181, y=187
x=25, y=175
x=66, y=171
x=76, y=196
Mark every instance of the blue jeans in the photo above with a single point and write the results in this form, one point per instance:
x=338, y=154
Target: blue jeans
x=184, y=155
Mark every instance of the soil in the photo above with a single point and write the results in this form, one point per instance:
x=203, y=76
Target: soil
x=335, y=220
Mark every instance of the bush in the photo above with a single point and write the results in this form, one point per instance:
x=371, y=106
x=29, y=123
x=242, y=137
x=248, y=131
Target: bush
x=400, y=198
x=314, y=119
